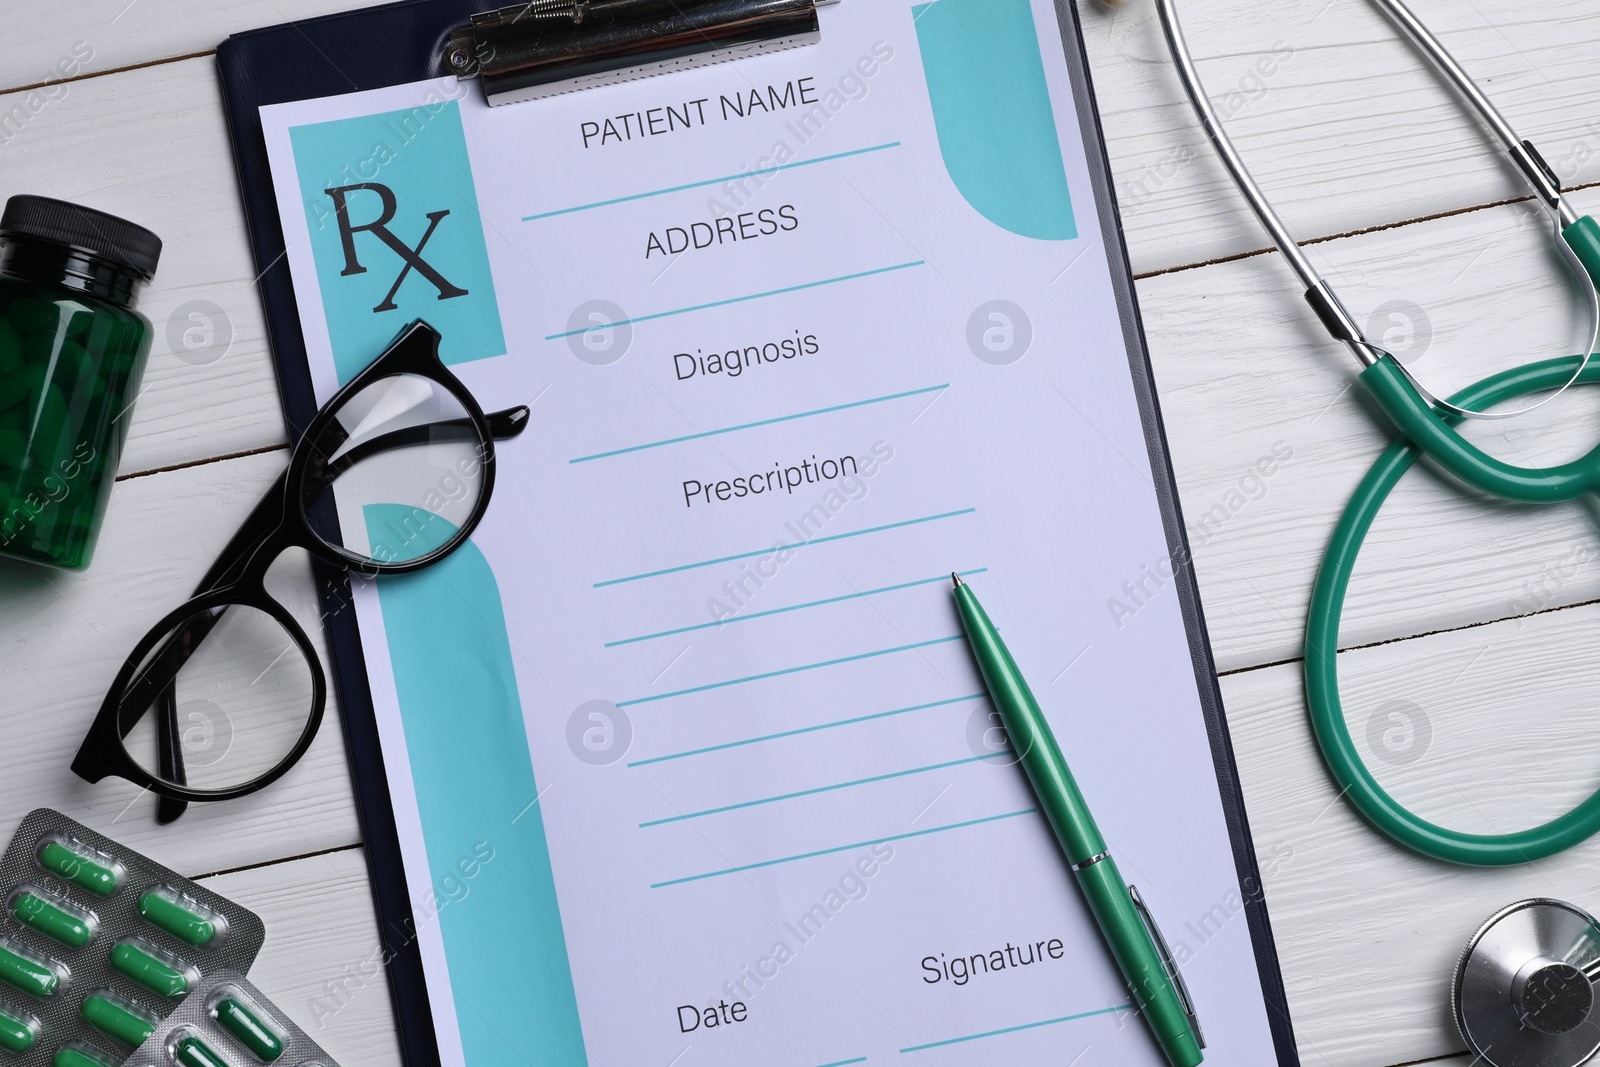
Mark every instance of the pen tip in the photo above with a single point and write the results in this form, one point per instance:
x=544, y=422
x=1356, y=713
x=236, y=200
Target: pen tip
x=956, y=578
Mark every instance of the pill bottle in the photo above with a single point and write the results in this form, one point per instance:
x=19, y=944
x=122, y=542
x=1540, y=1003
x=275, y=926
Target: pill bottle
x=72, y=351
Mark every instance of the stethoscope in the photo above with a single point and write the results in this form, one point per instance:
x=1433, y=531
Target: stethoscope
x=1523, y=993
x=1429, y=425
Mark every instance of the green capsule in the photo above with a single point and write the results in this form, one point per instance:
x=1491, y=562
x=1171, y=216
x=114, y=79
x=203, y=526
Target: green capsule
x=10, y=348
x=251, y=1030
x=82, y=870
x=116, y=1019
x=32, y=315
x=80, y=1056
x=155, y=974
x=52, y=426
x=19, y=384
x=13, y=448
x=51, y=919
x=39, y=348
x=27, y=973
x=75, y=372
x=192, y=1052
x=17, y=1032
x=176, y=918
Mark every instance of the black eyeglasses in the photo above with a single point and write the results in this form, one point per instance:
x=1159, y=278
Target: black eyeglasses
x=392, y=475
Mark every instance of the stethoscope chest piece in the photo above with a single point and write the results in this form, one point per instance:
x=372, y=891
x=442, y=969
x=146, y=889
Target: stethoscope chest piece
x=1524, y=990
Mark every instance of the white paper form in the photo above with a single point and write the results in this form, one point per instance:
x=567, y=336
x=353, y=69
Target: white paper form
x=801, y=336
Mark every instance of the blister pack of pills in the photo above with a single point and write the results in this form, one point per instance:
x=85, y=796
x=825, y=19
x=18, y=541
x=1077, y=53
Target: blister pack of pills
x=226, y=1022
x=98, y=944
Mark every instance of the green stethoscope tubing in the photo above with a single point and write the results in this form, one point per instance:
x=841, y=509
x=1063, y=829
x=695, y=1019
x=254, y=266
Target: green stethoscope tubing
x=1333, y=579
x=1435, y=432
x=1428, y=426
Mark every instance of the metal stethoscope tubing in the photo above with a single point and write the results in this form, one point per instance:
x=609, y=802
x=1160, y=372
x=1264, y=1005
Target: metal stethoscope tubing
x=1406, y=400
x=1430, y=426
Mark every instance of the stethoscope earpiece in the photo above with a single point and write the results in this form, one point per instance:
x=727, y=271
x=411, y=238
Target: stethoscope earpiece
x=1523, y=994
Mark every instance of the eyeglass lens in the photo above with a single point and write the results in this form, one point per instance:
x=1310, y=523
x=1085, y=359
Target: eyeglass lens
x=239, y=700
x=397, y=473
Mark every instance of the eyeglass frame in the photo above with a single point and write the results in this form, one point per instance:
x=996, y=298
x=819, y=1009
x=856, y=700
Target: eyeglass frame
x=237, y=578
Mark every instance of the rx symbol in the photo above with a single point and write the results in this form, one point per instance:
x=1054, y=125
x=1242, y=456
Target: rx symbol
x=379, y=228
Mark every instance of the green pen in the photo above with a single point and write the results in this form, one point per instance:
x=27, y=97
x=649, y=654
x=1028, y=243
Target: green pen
x=1130, y=932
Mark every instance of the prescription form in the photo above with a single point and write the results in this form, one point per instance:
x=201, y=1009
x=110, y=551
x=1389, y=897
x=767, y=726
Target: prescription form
x=689, y=760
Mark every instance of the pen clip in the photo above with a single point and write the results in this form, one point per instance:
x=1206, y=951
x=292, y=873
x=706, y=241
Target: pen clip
x=1168, y=962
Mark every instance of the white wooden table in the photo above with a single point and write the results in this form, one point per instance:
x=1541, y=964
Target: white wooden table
x=1476, y=615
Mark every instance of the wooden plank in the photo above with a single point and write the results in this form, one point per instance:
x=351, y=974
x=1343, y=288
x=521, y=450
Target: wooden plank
x=1339, y=120
x=1483, y=730
x=63, y=637
x=322, y=964
x=1270, y=433
x=109, y=34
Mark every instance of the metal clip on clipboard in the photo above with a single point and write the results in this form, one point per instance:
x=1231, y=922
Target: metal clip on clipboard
x=545, y=47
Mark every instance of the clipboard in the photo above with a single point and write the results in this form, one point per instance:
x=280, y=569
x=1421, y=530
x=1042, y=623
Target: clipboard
x=409, y=41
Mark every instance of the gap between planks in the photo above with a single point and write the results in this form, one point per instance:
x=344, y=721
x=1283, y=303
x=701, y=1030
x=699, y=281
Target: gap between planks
x=1437, y=1059
x=1412, y=637
x=87, y=75
x=1379, y=228
x=263, y=450
x=276, y=862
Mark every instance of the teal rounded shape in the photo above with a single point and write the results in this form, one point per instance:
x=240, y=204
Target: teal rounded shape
x=493, y=892
x=991, y=107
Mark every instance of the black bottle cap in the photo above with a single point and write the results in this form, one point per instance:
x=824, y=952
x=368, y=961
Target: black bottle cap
x=121, y=242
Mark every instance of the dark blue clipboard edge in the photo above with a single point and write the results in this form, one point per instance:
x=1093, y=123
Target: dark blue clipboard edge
x=328, y=56
x=398, y=43
x=1166, y=486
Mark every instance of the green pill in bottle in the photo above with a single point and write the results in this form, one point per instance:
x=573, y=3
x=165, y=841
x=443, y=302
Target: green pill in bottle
x=72, y=352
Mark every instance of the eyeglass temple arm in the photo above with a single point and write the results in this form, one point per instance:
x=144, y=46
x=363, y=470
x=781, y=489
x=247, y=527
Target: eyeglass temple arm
x=255, y=533
x=502, y=425
x=263, y=521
